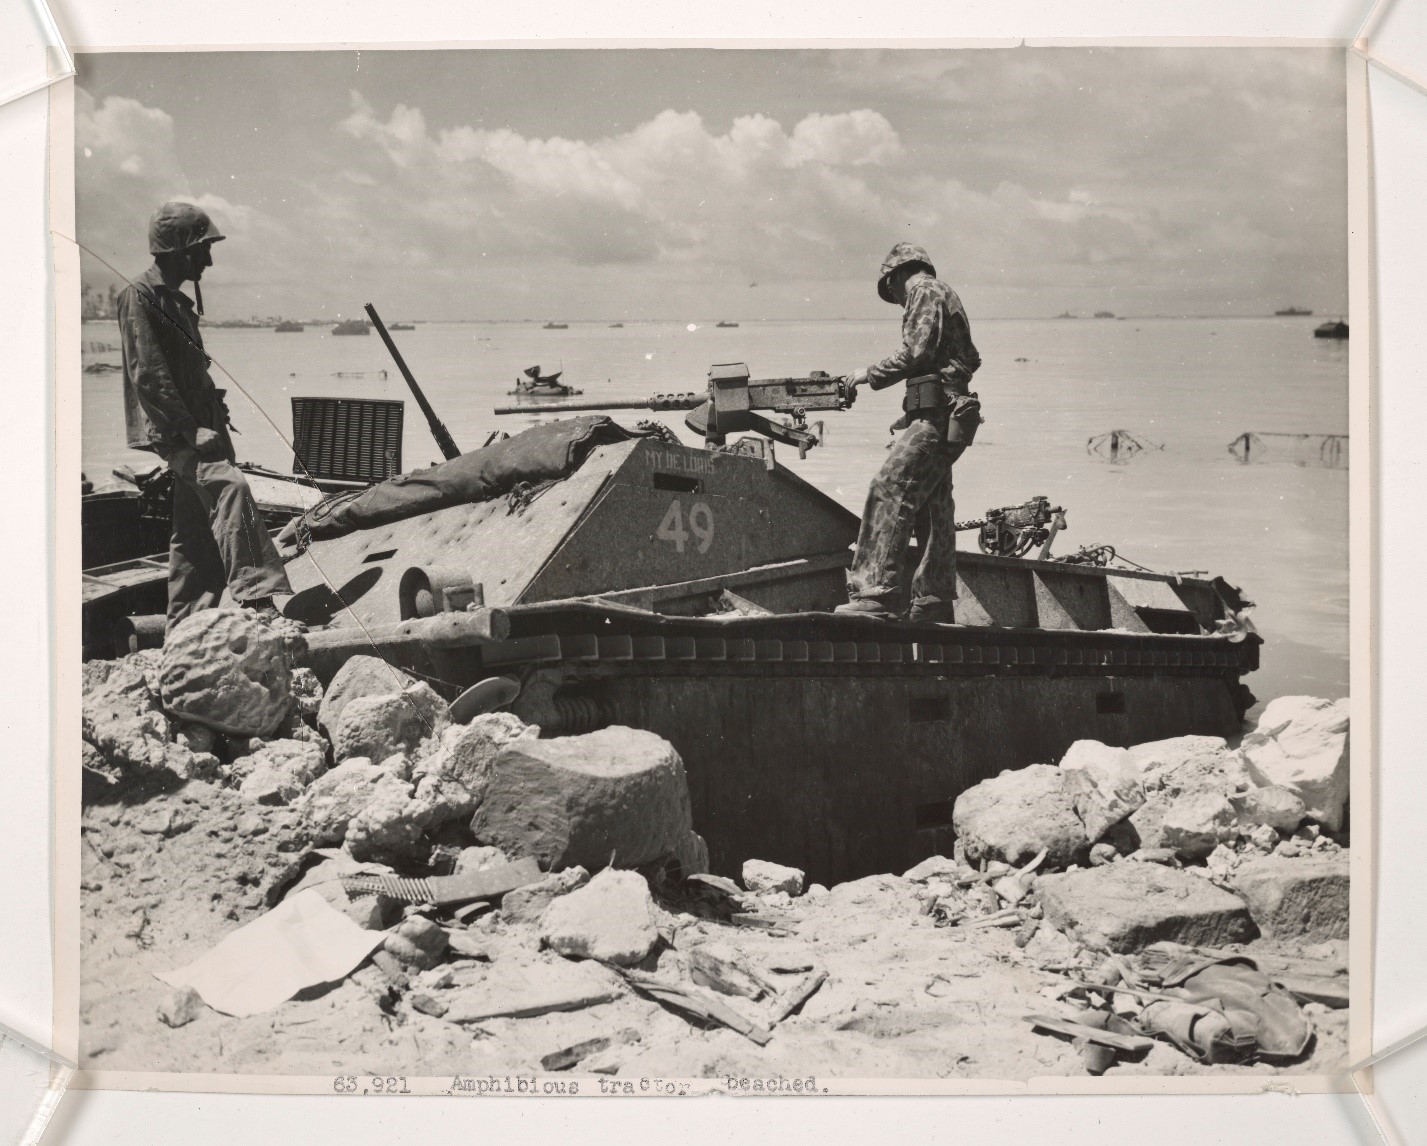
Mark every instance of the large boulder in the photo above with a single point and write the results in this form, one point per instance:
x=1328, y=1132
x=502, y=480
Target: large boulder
x=1177, y=752
x=527, y=904
x=763, y=876
x=1301, y=743
x=380, y=726
x=1104, y=784
x=122, y=720
x=619, y=792
x=1275, y=807
x=1011, y=817
x=336, y=797
x=280, y=770
x=1304, y=898
x=226, y=669
x=454, y=776
x=610, y=919
x=391, y=827
x=1174, y=768
x=359, y=676
x=1196, y=823
x=1127, y=906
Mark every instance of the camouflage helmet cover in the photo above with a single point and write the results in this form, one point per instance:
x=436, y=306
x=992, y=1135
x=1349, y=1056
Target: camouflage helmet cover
x=899, y=257
x=178, y=226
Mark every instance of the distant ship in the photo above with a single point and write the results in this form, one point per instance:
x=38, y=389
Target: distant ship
x=1067, y=314
x=1331, y=330
x=1104, y=314
x=725, y=324
x=352, y=326
x=288, y=328
x=616, y=326
x=1291, y=311
x=556, y=326
x=401, y=326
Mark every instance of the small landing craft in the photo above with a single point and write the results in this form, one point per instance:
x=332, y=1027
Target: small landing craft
x=533, y=384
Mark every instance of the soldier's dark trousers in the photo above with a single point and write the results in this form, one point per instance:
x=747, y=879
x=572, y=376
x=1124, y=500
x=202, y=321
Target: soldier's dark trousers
x=910, y=496
x=218, y=539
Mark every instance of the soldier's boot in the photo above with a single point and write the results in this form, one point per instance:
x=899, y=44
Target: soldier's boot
x=868, y=607
x=933, y=612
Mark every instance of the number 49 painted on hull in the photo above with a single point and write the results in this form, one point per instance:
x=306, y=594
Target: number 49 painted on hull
x=701, y=526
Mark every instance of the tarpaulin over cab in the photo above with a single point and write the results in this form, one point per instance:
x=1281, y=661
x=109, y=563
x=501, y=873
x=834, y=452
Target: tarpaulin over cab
x=541, y=454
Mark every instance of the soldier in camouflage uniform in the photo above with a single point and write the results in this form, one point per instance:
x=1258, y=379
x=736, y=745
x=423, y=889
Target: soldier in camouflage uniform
x=912, y=494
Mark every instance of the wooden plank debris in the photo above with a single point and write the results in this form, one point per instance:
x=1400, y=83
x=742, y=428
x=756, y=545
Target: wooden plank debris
x=1076, y=1030
x=1331, y=992
x=572, y=1056
x=700, y=1004
x=790, y=1000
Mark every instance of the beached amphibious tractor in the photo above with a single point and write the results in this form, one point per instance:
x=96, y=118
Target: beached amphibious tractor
x=620, y=577
x=690, y=591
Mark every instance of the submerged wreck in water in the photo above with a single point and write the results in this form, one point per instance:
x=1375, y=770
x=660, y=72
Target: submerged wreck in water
x=604, y=576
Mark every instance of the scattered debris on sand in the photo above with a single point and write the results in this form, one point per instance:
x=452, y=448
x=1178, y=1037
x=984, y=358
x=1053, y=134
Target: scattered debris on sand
x=278, y=879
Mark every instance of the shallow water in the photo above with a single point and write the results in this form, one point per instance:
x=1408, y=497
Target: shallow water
x=1280, y=531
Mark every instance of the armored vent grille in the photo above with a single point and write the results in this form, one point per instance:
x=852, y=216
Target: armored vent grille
x=347, y=439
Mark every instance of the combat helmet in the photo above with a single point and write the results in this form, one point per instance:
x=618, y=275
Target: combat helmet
x=900, y=256
x=178, y=226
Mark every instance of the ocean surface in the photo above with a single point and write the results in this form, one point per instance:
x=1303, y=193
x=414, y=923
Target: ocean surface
x=1278, y=530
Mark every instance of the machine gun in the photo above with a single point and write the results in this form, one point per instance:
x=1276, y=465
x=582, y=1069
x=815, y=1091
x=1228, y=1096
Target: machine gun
x=731, y=402
x=1011, y=530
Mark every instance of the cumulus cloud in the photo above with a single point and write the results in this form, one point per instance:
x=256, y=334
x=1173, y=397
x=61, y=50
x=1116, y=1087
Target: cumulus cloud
x=1189, y=176
x=757, y=196
x=127, y=164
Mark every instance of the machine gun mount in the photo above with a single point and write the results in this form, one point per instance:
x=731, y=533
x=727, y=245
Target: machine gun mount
x=1012, y=530
x=731, y=404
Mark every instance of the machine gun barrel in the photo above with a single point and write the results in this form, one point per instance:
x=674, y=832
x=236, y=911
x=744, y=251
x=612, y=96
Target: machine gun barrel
x=688, y=401
x=731, y=402
x=444, y=442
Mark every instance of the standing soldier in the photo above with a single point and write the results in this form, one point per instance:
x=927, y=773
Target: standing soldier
x=911, y=494
x=172, y=409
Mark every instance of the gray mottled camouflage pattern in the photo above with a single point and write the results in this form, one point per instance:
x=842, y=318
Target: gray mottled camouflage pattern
x=936, y=337
x=912, y=493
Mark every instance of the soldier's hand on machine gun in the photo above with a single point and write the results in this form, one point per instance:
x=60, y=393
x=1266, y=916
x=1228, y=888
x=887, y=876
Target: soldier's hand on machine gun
x=858, y=377
x=207, y=443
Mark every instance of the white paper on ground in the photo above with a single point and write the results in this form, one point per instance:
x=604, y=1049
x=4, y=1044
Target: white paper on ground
x=300, y=943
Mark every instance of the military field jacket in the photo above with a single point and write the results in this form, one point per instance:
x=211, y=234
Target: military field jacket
x=936, y=337
x=168, y=393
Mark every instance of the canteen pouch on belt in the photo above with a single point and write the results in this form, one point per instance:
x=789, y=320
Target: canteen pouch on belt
x=957, y=415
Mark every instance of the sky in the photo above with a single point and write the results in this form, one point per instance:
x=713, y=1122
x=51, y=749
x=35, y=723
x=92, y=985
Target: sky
x=741, y=184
